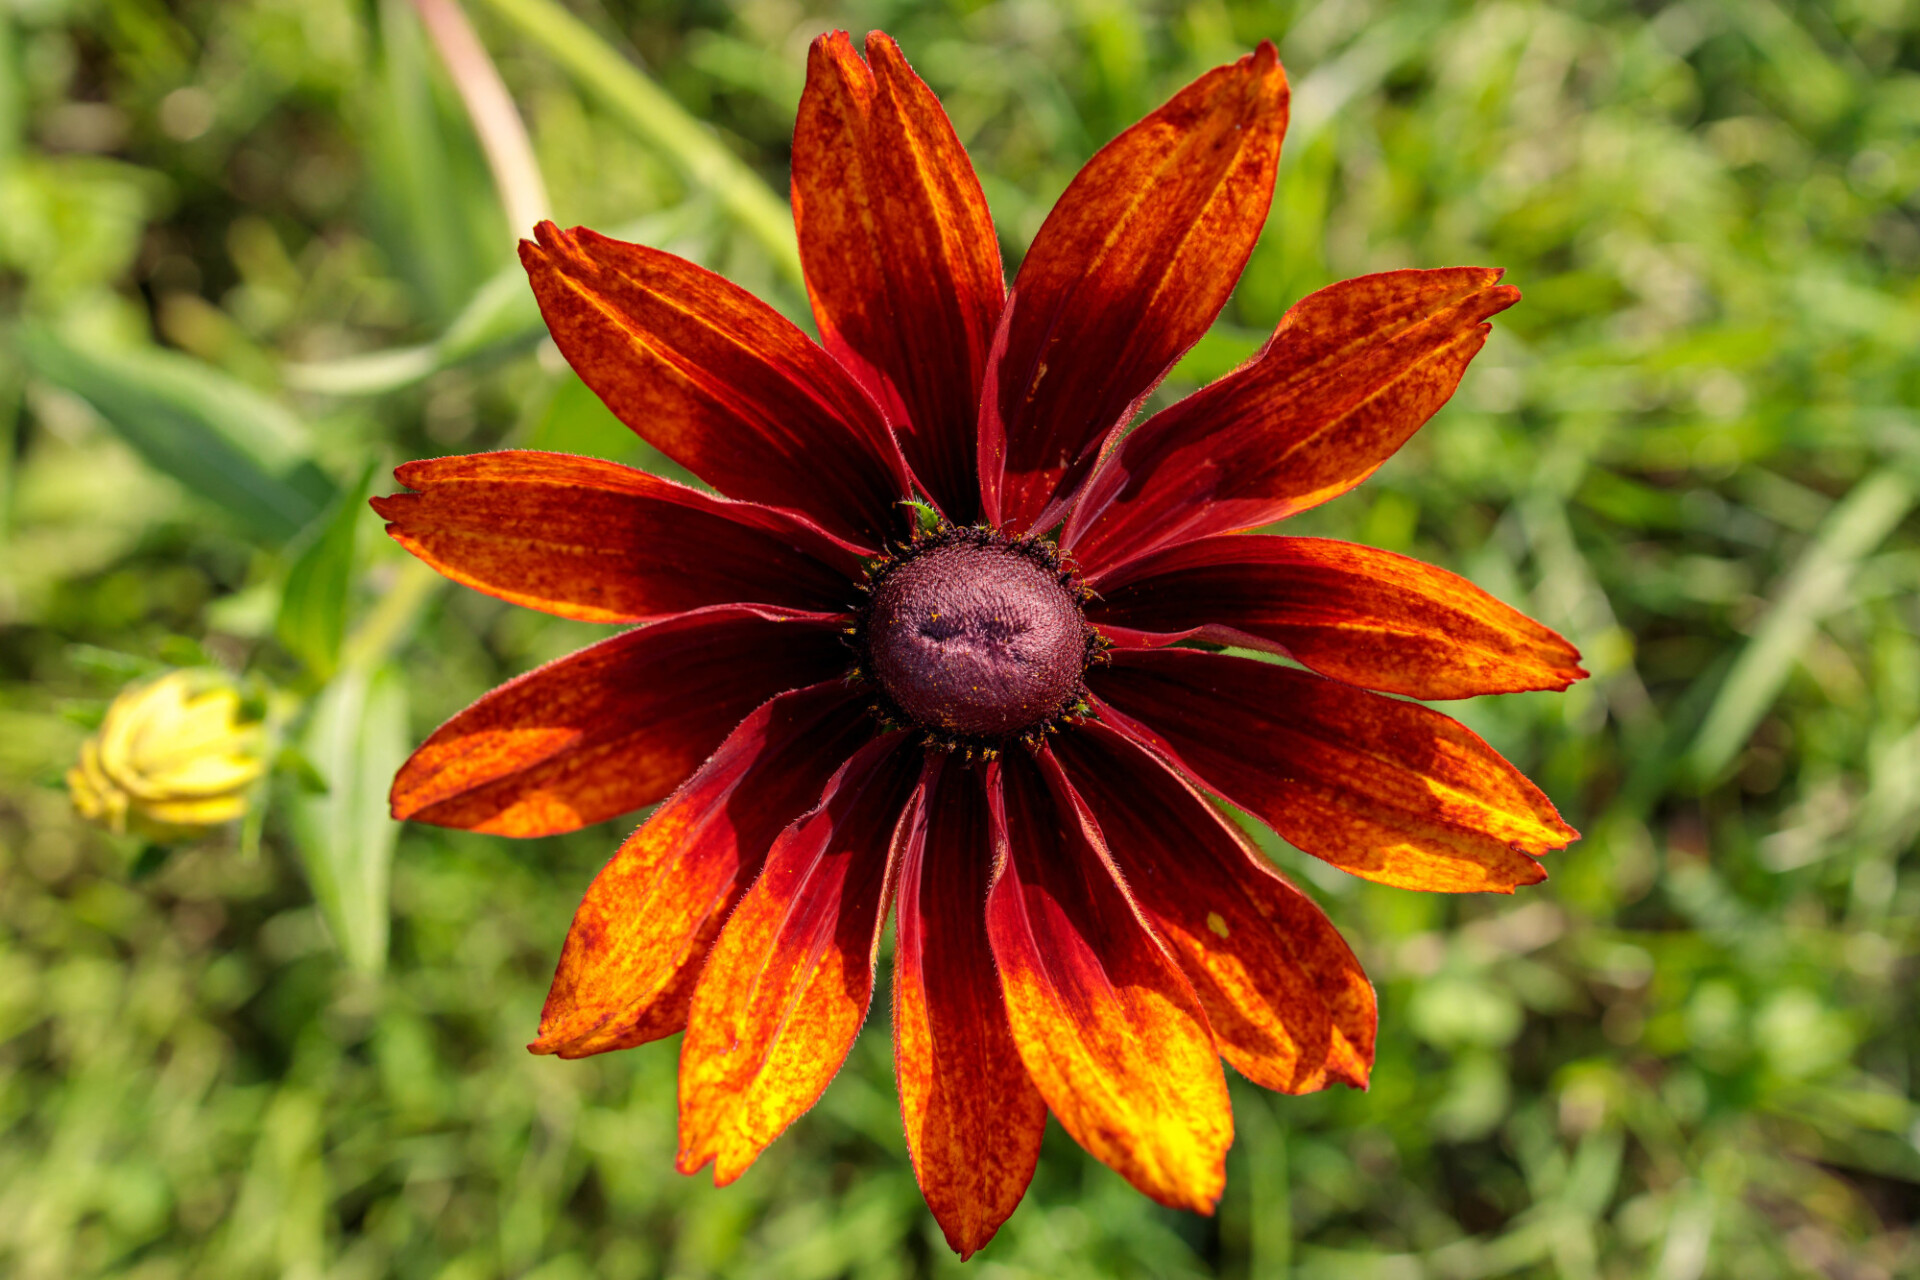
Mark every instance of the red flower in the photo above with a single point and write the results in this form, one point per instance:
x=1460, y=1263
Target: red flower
x=1018, y=754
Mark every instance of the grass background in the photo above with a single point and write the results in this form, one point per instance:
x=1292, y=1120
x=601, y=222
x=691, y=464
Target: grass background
x=250, y=258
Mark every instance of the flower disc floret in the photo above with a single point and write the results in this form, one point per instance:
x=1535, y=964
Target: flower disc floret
x=975, y=638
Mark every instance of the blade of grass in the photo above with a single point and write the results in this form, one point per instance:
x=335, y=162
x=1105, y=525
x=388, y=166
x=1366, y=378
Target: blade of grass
x=313, y=605
x=502, y=134
x=390, y=623
x=421, y=175
x=501, y=315
x=1815, y=587
x=664, y=123
x=357, y=739
x=1270, y=1243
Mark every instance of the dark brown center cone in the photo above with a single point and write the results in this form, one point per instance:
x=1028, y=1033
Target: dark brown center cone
x=977, y=641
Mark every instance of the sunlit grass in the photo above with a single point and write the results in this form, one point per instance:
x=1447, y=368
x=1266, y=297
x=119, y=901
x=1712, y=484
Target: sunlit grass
x=250, y=248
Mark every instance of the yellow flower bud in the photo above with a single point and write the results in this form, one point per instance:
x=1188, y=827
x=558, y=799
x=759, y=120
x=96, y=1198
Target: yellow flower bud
x=171, y=759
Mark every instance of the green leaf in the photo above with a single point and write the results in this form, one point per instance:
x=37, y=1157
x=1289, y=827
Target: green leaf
x=221, y=439
x=1815, y=587
x=356, y=740
x=434, y=208
x=313, y=606
x=501, y=316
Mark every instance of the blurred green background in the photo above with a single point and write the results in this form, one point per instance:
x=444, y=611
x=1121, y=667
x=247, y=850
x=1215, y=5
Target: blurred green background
x=251, y=256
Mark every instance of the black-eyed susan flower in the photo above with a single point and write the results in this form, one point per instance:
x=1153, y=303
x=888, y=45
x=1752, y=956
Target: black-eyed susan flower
x=942, y=649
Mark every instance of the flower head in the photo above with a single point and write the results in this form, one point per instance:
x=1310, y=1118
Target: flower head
x=172, y=758
x=1007, y=723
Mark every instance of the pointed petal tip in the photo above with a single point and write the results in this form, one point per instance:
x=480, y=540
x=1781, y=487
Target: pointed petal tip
x=1559, y=680
x=1270, y=79
x=727, y=1167
x=555, y=248
x=560, y=1039
x=1560, y=834
x=410, y=471
x=547, y=239
x=827, y=48
x=398, y=807
x=969, y=1238
x=1201, y=1200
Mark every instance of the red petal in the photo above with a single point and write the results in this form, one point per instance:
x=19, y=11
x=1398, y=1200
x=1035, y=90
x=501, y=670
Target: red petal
x=718, y=381
x=641, y=936
x=1388, y=790
x=1130, y=269
x=787, y=985
x=973, y=1117
x=600, y=542
x=1289, y=1005
x=1351, y=372
x=615, y=726
x=1111, y=1032
x=900, y=255
x=1367, y=617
